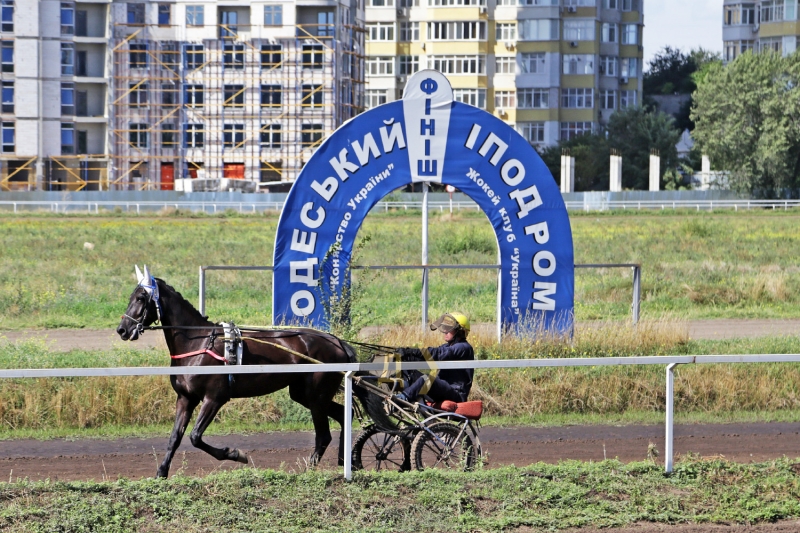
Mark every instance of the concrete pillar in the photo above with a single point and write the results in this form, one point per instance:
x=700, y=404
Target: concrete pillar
x=615, y=173
x=567, y=174
x=705, y=174
x=655, y=172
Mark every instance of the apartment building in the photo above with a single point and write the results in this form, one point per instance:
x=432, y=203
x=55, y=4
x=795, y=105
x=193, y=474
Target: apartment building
x=759, y=25
x=553, y=69
x=102, y=94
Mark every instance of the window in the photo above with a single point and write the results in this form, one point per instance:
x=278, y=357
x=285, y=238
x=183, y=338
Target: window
x=577, y=3
x=577, y=98
x=169, y=57
x=380, y=66
x=8, y=57
x=271, y=135
x=137, y=95
x=228, y=24
x=326, y=24
x=407, y=3
x=67, y=98
x=7, y=16
x=749, y=14
x=579, y=30
x=611, y=4
x=67, y=19
x=408, y=64
x=380, y=31
x=505, y=31
x=311, y=134
x=608, y=66
x=194, y=136
x=233, y=135
x=627, y=99
x=271, y=95
x=533, y=98
x=67, y=138
x=380, y=3
x=233, y=95
x=271, y=56
x=169, y=135
x=771, y=10
x=375, y=97
x=630, y=34
x=8, y=97
x=194, y=16
x=137, y=55
x=538, y=30
x=312, y=96
x=533, y=132
x=570, y=130
x=195, y=56
x=457, y=31
x=409, y=31
x=169, y=94
x=538, y=2
x=609, y=34
x=629, y=5
x=734, y=49
x=164, y=14
x=138, y=136
x=532, y=63
x=313, y=56
x=458, y=64
x=505, y=99
x=608, y=99
x=8, y=137
x=273, y=15
x=629, y=67
x=135, y=13
x=473, y=97
x=505, y=65
x=233, y=56
x=578, y=64
x=442, y=3
x=194, y=96
x=774, y=44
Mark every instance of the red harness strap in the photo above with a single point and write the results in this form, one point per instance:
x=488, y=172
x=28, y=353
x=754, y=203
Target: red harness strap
x=200, y=352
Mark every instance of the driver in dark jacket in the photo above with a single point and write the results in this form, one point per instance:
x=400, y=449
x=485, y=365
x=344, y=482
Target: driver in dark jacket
x=453, y=385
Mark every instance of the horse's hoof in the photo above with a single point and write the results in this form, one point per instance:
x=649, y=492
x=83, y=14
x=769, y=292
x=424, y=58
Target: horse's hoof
x=241, y=457
x=161, y=475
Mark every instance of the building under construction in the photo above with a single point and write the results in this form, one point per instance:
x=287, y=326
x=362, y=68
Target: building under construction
x=175, y=95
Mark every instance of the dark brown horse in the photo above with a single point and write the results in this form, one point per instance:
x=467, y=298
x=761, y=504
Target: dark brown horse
x=187, y=331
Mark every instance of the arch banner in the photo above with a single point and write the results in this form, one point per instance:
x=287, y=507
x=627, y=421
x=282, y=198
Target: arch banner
x=426, y=136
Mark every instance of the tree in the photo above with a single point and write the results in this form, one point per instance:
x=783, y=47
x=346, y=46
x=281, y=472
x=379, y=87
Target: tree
x=748, y=122
x=637, y=131
x=591, y=153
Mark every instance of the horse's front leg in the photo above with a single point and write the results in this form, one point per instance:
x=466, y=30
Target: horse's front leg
x=208, y=411
x=183, y=412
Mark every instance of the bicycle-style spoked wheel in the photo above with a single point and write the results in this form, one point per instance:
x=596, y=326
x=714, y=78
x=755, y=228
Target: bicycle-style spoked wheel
x=376, y=450
x=444, y=446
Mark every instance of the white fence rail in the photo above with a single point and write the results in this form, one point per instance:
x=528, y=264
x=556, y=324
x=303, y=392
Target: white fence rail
x=670, y=362
x=589, y=204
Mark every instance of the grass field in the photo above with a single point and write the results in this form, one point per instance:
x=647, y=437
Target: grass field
x=542, y=497
x=695, y=265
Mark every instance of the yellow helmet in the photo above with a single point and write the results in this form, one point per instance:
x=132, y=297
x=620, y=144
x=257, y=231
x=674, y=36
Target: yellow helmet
x=450, y=322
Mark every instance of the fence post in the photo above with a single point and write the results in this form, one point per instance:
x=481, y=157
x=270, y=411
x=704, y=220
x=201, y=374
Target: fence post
x=637, y=292
x=668, y=450
x=202, y=304
x=348, y=426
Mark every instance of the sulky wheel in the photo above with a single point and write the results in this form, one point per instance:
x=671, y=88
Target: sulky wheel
x=444, y=446
x=375, y=449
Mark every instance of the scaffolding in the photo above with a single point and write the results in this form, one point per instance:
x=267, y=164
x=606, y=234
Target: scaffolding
x=235, y=109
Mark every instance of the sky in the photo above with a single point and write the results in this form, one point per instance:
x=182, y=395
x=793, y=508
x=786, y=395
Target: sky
x=683, y=24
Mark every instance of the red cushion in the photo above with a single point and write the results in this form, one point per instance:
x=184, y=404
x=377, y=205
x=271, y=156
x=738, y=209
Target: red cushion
x=472, y=410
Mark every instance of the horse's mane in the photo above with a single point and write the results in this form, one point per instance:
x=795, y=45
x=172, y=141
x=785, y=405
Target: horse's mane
x=178, y=296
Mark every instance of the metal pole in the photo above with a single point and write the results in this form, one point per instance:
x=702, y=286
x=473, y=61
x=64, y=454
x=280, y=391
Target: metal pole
x=499, y=297
x=348, y=426
x=637, y=292
x=202, y=304
x=670, y=405
x=424, y=255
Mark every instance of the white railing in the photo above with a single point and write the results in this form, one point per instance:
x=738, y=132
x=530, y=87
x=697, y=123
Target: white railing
x=349, y=368
x=253, y=206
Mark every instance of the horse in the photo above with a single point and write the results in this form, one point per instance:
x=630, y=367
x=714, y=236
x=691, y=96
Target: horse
x=193, y=340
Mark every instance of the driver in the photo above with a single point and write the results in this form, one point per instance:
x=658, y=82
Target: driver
x=453, y=385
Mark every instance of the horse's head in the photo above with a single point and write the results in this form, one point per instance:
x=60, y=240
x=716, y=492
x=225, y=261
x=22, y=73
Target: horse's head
x=144, y=307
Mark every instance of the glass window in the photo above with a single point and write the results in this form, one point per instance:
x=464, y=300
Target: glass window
x=313, y=56
x=67, y=99
x=271, y=136
x=532, y=131
x=538, y=29
x=194, y=136
x=578, y=64
x=609, y=32
x=532, y=63
x=233, y=56
x=7, y=16
x=380, y=31
x=273, y=15
x=505, y=31
x=169, y=94
x=233, y=95
x=135, y=13
x=67, y=138
x=194, y=95
x=138, y=55
x=67, y=19
x=630, y=34
x=194, y=16
x=228, y=24
x=195, y=56
x=311, y=134
x=169, y=57
x=139, y=136
x=8, y=97
x=233, y=136
x=164, y=14
x=608, y=99
x=608, y=66
x=611, y=4
x=271, y=95
x=627, y=99
x=408, y=64
x=577, y=98
x=8, y=56
x=8, y=137
x=473, y=97
x=409, y=31
x=533, y=98
x=137, y=94
x=505, y=65
x=312, y=96
x=325, y=24
x=570, y=130
x=375, y=97
x=380, y=66
x=169, y=135
x=505, y=99
x=458, y=64
x=579, y=30
x=457, y=31
x=271, y=56
x=629, y=67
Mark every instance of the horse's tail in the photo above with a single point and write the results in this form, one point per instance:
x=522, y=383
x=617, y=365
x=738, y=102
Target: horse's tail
x=352, y=357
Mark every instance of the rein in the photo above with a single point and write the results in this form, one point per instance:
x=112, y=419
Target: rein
x=200, y=352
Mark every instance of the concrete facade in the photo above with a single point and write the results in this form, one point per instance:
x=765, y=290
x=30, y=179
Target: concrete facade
x=759, y=25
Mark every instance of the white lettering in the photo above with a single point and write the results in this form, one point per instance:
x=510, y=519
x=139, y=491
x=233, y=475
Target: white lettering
x=304, y=241
x=493, y=140
x=303, y=295
x=526, y=207
x=540, y=270
x=505, y=172
x=341, y=165
x=370, y=146
x=543, y=303
x=296, y=274
x=327, y=189
x=309, y=222
x=473, y=136
x=539, y=231
x=395, y=136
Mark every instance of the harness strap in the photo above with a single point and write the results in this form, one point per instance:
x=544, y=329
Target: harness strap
x=200, y=352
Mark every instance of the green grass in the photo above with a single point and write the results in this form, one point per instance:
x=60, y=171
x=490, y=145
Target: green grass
x=695, y=265
x=541, y=497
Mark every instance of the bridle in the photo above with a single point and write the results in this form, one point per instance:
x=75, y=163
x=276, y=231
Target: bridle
x=151, y=290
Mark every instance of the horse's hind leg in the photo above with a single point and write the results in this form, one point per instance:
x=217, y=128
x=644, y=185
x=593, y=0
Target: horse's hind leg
x=183, y=412
x=208, y=411
x=319, y=415
x=336, y=411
